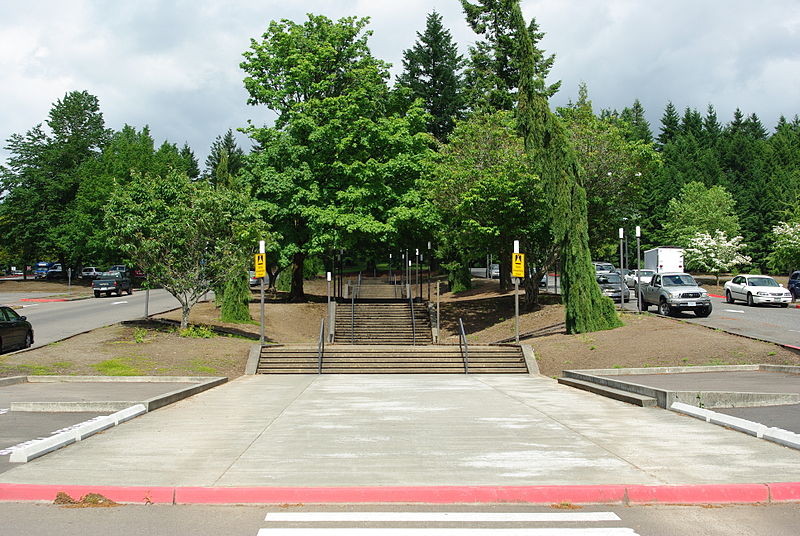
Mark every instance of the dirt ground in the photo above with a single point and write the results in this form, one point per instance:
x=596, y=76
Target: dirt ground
x=645, y=340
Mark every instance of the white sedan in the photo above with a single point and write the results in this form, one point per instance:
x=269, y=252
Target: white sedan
x=631, y=278
x=756, y=289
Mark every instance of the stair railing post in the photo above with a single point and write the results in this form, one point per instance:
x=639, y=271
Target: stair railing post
x=321, y=346
x=413, y=323
x=465, y=351
x=352, y=317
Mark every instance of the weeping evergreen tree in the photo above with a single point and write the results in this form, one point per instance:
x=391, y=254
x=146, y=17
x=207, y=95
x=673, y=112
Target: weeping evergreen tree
x=545, y=140
x=236, y=299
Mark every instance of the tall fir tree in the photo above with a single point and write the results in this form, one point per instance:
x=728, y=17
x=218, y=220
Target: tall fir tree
x=670, y=125
x=493, y=73
x=554, y=159
x=235, y=156
x=432, y=72
x=638, y=127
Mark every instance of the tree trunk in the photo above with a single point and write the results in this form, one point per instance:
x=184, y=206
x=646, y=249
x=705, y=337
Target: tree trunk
x=185, y=310
x=297, y=293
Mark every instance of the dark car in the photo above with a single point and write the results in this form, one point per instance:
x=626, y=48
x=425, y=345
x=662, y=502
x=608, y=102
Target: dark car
x=794, y=284
x=15, y=331
x=611, y=285
x=112, y=282
x=56, y=271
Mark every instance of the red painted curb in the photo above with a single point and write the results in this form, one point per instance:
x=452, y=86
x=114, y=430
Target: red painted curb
x=716, y=296
x=424, y=494
x=123, y=494
x=610, y=494
x=699, y=494
x=43, y=300
x=784, y=491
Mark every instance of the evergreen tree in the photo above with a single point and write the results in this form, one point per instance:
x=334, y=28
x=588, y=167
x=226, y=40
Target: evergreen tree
x=492, y=76
x=433, y=73
x=236, y=299
x=711, y=127
x=235, y=156
x=545, y=140
x=191, y=165
x=692, y=124
x=670, y=125
x=639, y=128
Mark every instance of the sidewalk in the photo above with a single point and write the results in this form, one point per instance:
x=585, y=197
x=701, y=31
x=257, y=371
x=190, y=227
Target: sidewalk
x=409, y=431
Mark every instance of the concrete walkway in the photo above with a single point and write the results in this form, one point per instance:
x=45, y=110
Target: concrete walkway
x=365, y=430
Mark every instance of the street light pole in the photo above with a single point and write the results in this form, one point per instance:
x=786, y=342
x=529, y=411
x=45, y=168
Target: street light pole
x=622, y=291
x=638, y=269
x=430, y=266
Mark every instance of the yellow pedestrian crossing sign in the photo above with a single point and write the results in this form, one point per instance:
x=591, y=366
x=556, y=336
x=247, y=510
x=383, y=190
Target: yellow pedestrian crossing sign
x=261, y=265
x=518, y=265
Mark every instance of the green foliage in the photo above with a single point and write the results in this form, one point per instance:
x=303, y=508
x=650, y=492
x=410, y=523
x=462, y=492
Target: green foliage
x=700, y=210
x=547, y=143
x=236, y=299
x=139, y=335
x=432, y=73
x=117, y=366
x=786, y=254
x=197, y=332
x=336, y=171
x=224, y=151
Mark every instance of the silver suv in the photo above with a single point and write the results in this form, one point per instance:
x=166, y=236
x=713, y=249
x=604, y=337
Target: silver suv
x=672, y=292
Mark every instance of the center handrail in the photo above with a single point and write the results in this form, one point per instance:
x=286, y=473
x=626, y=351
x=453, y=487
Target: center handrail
x=321, y=346
x=413, y=323
x=465, y=349
x=354, y=292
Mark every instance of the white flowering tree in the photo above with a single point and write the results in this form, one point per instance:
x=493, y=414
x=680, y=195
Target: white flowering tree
x=715, y=254
x=786, y=255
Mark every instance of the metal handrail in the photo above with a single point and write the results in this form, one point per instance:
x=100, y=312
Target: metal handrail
x=321, y=346
x=465, y=348
x=353, y=292
x=413, y=323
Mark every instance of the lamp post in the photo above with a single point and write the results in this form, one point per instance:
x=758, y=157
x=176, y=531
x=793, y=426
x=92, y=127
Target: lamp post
x=638, y=269
x=516, y=299
x=622, y=290
x=430, y=266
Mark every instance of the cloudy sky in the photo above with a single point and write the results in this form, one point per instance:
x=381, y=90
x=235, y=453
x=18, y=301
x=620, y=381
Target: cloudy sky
x=174, y=65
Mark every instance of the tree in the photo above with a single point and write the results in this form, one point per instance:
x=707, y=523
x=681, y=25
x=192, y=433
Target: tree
x=638, y=127
x=670, y=125
x=432, y=72
x=335, y=170
x=186, y=235
x=42, y=176
x=554, y=159
x=786, y=250
x=700, y=210
x=224, y=146
x=715, y=253
x=493, y=72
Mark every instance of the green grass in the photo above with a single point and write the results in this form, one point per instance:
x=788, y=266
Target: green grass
x=139, y=335
x=198, y=332
x=35, y=370
x=118, y=366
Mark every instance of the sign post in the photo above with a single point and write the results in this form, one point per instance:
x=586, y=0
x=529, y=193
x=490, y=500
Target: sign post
x=517, y=273
x=261, y=272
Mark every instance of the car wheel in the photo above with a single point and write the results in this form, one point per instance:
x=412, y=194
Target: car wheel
x=703, y=312
x=28, y=340
x=96, y=293
x=645, y=306
x=784, y=305
x=119, y=292
x=130, y=291
x=750, y=302
x=663, y=308
x=728, y=297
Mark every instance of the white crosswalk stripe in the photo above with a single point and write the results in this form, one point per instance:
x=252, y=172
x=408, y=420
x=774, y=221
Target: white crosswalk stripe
x=312, y=524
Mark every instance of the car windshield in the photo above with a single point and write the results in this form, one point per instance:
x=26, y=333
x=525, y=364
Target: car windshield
x=763, y=282
x=603, y=268
x=609, y=279
x=646, y=273
x=112, y=275
x=683, y=280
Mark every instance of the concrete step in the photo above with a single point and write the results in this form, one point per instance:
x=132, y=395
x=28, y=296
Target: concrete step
x=610, y=392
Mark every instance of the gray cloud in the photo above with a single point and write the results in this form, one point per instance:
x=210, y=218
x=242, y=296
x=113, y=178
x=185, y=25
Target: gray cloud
x=175, y=66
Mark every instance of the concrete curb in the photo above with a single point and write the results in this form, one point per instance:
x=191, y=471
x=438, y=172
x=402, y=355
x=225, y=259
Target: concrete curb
x=252, y=360
x=761, y=431
x=40, y=447
x=530, y=359
x=779, y=492
x=51, y=300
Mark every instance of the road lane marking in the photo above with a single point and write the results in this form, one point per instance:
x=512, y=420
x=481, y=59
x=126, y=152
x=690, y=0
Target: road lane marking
x=119, y=302
x=733, y=311
x=470, y=517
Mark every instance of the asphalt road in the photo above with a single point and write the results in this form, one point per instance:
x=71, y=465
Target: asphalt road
x=54, y=321
x=765, y=322
x=489, y=520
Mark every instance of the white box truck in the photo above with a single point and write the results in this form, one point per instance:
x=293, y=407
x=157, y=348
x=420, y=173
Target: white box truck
x=664, y=259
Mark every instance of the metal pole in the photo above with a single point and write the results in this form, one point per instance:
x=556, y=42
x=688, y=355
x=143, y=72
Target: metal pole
x=638, y=269
x=438, y=324
x=390, y=265
x=430, y=266
x=419, y=282
x=261, y=335
x=146, y=302
x=328, y=277
x=516, y=309
x=622, y=291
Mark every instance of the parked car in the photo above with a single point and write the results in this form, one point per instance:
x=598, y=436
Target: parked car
x=756, y=290
x=612, y=286
x=253, y=279
x=494, y=271
x=89, y=272
x=603, y=267
x=633, y=277
x=118, y=268
x=40, y=269
x=112, y=282
x=794, y=284
x=15, y=331
x=673, y=292
x=56, y=271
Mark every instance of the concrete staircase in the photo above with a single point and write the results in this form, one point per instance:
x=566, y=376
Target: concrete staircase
x=382, y=323
x=386, y=359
